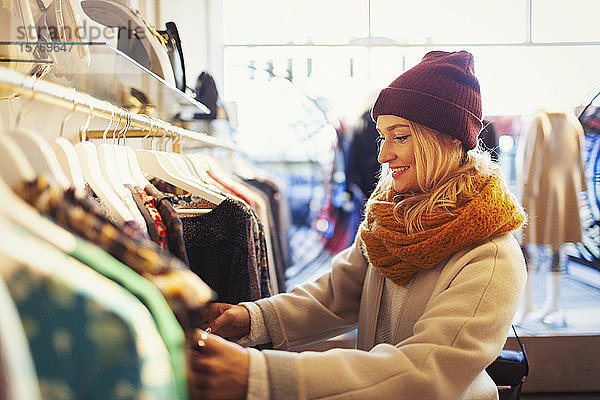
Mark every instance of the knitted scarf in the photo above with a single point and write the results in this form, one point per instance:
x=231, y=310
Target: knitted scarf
x=399, y=255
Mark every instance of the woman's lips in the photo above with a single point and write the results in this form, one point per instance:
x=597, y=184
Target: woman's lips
x=397, y=172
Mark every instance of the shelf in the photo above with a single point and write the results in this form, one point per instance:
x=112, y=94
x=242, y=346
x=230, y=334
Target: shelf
x=113, y=76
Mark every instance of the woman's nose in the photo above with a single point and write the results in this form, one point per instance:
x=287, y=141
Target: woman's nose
x=385, y=155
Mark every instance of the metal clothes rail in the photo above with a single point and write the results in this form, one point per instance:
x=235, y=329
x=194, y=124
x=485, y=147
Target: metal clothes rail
x=68, y=98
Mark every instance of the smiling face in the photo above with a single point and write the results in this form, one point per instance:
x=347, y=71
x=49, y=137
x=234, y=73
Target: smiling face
x=397, y=151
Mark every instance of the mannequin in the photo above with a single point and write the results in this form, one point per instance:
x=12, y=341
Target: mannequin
x=552, y=175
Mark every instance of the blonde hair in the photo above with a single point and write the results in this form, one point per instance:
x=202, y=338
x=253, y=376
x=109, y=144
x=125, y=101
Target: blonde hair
x=446, y=174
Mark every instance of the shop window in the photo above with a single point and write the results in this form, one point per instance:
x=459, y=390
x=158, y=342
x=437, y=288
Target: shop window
x=297, y=22
x=565, y=21
x=442, y=21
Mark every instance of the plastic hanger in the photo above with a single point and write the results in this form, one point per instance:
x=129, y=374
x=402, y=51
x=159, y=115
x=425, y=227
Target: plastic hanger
x=14, y=165
x=199, y=168
x=19, y=212
x=38, y=151
x=108, y=165
x=203, y=163
x=121, y=158
x=201, y=178
x=189, y=170
x=160, y=165
x=67, y=157
x=88, y=158
x=134, y=167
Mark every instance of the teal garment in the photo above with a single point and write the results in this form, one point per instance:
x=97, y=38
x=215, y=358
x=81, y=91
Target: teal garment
x=166, y=323
x=89, y=338
x=18, y=380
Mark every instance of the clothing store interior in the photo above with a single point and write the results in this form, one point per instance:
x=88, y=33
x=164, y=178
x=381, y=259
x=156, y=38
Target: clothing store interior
x=157, y=155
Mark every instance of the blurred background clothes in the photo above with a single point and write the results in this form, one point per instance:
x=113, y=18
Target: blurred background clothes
x=488, y=138
x=362, y=167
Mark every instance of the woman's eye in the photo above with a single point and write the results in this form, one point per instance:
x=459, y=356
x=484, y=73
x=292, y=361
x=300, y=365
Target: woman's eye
x=401, y=138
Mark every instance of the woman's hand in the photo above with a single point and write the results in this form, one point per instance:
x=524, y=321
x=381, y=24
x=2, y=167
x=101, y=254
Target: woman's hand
x=228, y=320
x=219, y=369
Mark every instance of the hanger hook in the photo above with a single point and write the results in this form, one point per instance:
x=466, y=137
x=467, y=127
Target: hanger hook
x=157, y=124
x=122, y=130
x=151, y=123
x=126, y=127
x=129, y=123
x=112, y=115
x=30, y=100
x=83, y=130
x=114, y=132
x=69, y=115
x=164, y=138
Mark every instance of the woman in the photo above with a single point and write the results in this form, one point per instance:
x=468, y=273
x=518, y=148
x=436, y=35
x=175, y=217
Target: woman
x=432, y=280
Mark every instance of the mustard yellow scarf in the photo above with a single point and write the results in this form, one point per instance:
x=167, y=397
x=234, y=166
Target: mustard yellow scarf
x=399, y=255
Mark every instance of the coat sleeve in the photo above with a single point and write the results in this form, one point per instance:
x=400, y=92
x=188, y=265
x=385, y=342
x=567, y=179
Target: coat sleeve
x=321, y=309
x=462, y=329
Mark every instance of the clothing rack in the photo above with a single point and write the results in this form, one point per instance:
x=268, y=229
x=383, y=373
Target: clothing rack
x=138, y=125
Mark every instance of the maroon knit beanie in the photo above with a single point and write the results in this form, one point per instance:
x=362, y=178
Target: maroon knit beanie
x=441, y=92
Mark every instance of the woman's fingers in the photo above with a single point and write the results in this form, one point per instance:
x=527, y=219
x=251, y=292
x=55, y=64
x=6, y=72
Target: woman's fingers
x=223, y=320
x=234, y=322
x=218, y=368
x=216, y=309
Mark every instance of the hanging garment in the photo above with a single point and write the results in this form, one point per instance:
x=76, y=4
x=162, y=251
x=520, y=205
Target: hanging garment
x=217, y=244
x=362, y=167
x=18, y=380
x=225, y=247
x=184, y=291
x=281, y=213
x=141, y=255
x=153, y=219
x=488, y=138
x=552, y=176
x=171, y=220
x=166, y=321
x=88, y=201
x=129, y=226
x=279, y=229
x=138, y=220
x=151, y=225
x=88, y=337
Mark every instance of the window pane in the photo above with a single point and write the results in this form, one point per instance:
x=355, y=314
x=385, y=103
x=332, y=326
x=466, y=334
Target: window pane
x=513, y=79
x=443, y=21
x=337, y=74
x=563, y=21
x=518, y=80
x=282, y=22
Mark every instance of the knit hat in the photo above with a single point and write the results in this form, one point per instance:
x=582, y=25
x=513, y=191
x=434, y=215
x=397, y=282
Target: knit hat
x=441, y=92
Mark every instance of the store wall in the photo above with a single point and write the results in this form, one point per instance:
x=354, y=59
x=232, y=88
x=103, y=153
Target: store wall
x=200, y=28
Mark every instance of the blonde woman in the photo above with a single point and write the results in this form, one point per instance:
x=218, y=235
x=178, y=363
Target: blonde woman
x=432, y=280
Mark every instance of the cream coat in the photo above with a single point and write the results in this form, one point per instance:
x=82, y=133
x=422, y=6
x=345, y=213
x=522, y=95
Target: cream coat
x=452, y=324
x=552, y=174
